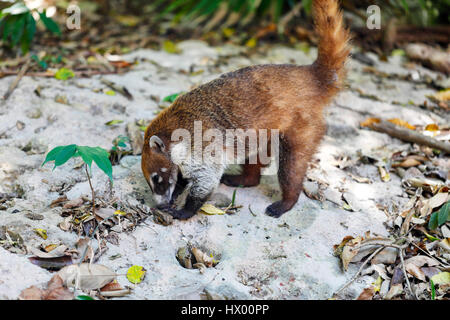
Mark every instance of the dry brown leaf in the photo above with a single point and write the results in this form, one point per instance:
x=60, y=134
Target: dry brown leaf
x=369, y=121
x=412, y=266
x=384, y=174
x=402, y=123
x=202, y=257
x=55, y=253
x=432, y=127
x=114, y=289
x=394, y=291
x=86, y=276
x=209, y=209
x=349, y=251
x=75, y=203
x=443, y=95
x=407, y=163
x=367, y=294
x=31, y=293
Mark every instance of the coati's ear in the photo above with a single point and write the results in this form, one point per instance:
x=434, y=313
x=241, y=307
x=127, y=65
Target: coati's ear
x=156, y=142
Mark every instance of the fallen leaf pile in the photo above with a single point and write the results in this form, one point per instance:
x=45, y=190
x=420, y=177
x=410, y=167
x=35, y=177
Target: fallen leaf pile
x=195, y=258
x=108, y=220
x=56, y=290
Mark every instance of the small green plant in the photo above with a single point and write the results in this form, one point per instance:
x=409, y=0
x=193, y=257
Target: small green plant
x=18, y=27
x=440, y=217
x=119, y=149
x=62, y=154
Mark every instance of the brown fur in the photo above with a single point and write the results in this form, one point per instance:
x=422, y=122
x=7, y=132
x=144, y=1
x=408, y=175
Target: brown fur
x=285, y=97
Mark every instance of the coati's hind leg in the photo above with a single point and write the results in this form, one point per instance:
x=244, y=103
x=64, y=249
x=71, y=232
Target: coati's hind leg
x=295, y=153
x=250, y=176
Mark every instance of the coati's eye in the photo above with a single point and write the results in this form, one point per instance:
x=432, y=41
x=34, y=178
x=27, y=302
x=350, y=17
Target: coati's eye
x=156, y=178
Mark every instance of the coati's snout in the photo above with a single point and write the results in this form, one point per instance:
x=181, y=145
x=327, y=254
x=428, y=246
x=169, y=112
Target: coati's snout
x=159, y=171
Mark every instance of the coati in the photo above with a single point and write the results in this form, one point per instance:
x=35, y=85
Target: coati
x=286, y=97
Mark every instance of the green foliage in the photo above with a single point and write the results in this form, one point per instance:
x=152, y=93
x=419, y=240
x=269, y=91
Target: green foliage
x=433, y=290
x=120, y=142
x=99, y=156
x=424, y=12
x=171, y=98
x=119, y=149
x=438, y=218
x=18, y=27
x=419, y=12
x=64, y=74
x=186, y=10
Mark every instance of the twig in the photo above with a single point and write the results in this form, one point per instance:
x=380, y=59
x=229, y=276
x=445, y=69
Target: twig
x=406, y=275
x=409, y=135
x=250, y=209
x=289, y=16
x=92, y=189
x=16, y=81
x=121, y=89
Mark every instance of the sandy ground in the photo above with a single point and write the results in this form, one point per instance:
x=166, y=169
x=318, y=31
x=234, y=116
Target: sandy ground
x=260, y=257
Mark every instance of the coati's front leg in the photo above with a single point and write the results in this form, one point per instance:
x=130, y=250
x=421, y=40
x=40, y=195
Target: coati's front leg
x=294, y=154
x=197, y=190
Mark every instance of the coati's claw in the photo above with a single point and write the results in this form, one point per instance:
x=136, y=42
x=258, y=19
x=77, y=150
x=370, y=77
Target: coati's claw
x=276, y=209
x=181, y=214
x=164, y=206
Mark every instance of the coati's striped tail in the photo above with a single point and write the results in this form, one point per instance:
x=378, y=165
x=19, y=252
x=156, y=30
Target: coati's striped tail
x=333, y=42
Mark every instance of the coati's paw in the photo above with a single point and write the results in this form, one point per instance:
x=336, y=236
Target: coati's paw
x=180, y=214
x=164, y=206
x=277, y=209
x=237, y=181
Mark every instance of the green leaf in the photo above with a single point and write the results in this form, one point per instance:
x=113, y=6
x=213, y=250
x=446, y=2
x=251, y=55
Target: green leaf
x=433, y=290
x=60, y=154
x=442, y=278
x=18, y=29
x=65, y=154
x=307, y=4
x=8, y=27
x=170, y=47
x=64, y=74
x=135, y=274
x=30, y=27
x=101, y=159
x=50, y=24
x=443, y=214
x=113, y=122
x=171, y=98
x=433, y=223
x=82, y=297
x=99, y=156
x=85, y=154
x=233, y=199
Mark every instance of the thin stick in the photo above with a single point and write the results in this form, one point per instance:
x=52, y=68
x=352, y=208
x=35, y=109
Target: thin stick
x=409, y=135
x=406, y=275
x=16, y=81
x=92, y=189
